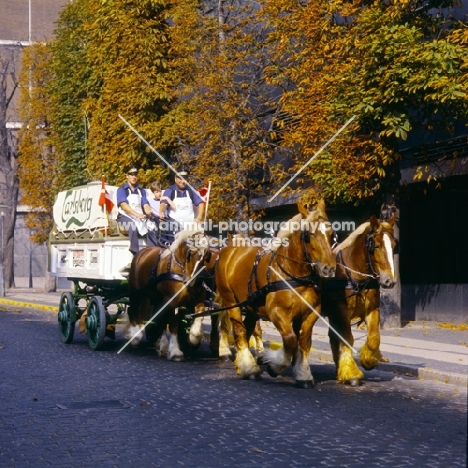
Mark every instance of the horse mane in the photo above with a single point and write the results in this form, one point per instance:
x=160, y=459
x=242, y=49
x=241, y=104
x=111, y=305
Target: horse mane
x=286, y=232
x=181, y=238
x=352, y=238
x=387, y=226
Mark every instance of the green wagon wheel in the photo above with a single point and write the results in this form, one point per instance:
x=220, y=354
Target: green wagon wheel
x=67, y=317
x=96, y=323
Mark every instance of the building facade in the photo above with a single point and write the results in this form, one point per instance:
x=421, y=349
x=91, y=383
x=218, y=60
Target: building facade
x=21, y=23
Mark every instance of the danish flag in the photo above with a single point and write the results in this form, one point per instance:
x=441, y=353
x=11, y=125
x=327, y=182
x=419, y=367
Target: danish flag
x=104, y=197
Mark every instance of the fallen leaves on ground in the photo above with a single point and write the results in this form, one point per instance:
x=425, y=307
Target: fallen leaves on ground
x=451, y=326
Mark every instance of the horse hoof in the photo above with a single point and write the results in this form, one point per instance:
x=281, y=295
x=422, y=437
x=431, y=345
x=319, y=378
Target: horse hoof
x=271, y=372
x=224, y=359
x=303, y=383
x=368, y=367
x=355, y=382
x=178, y=359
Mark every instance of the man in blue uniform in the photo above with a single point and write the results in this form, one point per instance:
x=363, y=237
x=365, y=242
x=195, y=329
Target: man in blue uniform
x=186, y=202
x=134, y=209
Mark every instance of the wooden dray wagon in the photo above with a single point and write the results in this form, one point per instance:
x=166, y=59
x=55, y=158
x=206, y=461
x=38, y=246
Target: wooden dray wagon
x=87, y=247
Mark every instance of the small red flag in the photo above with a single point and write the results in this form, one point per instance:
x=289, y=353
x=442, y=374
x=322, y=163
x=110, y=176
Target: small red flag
x=104, y=197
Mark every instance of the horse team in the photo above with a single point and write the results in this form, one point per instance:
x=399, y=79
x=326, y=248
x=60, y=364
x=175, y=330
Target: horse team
x=291, y=283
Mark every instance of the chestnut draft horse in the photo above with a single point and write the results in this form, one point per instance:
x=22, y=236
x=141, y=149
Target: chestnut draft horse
x=156, y=275
x=250, y=279
x=364, y=264
x=221, y=325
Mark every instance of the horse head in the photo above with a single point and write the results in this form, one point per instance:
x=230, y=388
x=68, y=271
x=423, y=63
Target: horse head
x=316, y=237
x=379, y=245
x=197, y=252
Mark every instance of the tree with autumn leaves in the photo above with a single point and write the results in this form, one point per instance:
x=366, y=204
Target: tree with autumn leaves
x=223, y=104
x=106, y=60
x=36, y=142
x=231, y=88
x=395, y=65
x=127, y=51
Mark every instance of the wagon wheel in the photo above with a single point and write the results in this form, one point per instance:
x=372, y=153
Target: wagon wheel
x=67, y=317
x=96, y=323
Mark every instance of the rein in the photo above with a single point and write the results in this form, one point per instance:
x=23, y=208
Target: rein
x=255, y=299
x=357, y=286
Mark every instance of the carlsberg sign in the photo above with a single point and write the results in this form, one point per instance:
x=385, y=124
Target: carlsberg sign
x=79, y=209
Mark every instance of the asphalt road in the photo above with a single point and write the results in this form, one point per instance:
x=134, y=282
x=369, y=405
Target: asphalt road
x=67, y=406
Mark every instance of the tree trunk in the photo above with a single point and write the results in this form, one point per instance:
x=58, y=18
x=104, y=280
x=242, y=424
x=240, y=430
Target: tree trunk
x=390, y=299
x=9, y=184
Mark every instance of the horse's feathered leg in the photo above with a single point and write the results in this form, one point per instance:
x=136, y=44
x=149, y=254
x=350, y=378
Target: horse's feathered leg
x=278, y=360
x=132, y=329
x=224, y=328
x=196, y=331
x=254, y=334
x=301, y=367
x=174, y=352
x=370, y=354
x=244, y=362
x=258, y=339
x=347, y=370
x=162, y=345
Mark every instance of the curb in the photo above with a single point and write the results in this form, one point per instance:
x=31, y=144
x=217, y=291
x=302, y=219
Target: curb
x=28, y=305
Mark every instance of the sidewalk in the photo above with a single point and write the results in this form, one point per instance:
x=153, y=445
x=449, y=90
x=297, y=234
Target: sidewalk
x=427, y=350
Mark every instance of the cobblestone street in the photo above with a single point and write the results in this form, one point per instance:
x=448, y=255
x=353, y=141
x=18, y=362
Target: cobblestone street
x=67, y=406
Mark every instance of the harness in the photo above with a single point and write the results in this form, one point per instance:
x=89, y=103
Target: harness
x=257, y=298
x=356, y=286
x=170, y=275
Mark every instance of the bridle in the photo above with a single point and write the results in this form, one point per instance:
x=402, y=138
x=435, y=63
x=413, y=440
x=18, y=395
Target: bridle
x=305, y=239
x=369, y=244
x=371, y=280
x=182, y=265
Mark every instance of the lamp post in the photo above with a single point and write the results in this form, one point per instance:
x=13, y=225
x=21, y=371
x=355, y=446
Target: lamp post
x=3, y=211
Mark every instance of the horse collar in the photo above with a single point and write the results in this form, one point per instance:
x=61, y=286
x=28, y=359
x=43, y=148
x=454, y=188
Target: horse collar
x=173, y=256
